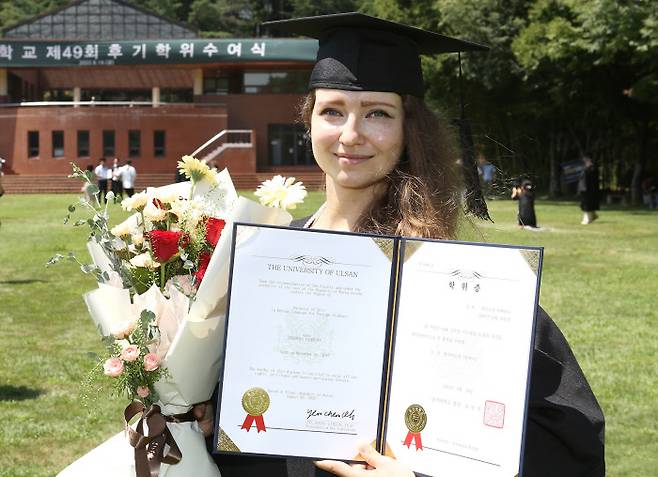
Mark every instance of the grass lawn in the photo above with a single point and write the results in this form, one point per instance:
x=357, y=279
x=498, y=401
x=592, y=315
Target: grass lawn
x=599, y=284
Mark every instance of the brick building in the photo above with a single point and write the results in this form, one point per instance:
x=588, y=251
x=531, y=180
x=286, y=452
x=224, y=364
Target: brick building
x=104, y=78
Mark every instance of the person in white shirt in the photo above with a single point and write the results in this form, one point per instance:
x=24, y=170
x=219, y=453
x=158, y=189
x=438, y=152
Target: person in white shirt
x=128, y=176
x=103, y=174
x=116, y=179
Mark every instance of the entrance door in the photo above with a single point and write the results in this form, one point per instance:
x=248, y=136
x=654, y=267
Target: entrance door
x=288, y=146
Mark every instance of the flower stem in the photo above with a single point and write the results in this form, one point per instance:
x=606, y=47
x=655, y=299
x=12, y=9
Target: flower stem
x=162, y=276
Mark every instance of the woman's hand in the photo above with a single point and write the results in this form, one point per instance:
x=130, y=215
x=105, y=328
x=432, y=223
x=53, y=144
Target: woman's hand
x=203, y=414
x=378, y=466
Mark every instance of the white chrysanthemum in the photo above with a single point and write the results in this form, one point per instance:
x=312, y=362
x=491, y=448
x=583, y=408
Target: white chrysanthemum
x=137, y=238
x=189, y=212
x=195, y=170
x=136, y=202
x=179, y=208
x=167, y=197
x=144, y=260
x=281, y=192
x=194, y=213
x=121, y=230
x=153, y=213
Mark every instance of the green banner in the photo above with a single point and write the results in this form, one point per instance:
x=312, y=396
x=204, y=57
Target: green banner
x=149, y=52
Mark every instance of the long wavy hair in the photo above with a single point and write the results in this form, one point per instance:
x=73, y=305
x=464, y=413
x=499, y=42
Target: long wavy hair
x=423, y=194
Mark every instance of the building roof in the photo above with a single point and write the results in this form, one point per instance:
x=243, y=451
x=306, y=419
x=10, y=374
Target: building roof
x=99, y=20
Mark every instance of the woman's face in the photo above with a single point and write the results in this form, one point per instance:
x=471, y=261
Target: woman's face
x=357, y=136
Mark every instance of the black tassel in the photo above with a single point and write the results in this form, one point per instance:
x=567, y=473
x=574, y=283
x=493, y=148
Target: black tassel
x=475, y=203
x=474, y=200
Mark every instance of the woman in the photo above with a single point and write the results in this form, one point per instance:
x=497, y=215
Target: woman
x=390, y=168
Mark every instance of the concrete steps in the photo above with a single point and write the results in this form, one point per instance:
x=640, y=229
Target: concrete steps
x=59, y=184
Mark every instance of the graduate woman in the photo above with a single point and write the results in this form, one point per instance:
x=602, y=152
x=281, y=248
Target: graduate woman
x=390, y=168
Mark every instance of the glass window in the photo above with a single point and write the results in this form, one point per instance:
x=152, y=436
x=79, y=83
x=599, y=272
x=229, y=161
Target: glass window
x=294, y=81
x=33, y=144
x=83, y=143
x=179, y=95
x=108, y=143
x=134, y=143
x=58, y=143
x=222, y=81
x=215, y=85
x=288, y=145
x=159, y=146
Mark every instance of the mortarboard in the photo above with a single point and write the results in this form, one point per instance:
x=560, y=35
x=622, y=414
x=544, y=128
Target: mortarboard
x=358, y=52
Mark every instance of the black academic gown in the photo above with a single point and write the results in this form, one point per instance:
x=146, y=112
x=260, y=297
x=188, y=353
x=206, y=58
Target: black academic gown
x=565, y=428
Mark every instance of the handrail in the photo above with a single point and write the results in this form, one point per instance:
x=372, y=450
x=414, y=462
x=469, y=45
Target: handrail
x=219, y=135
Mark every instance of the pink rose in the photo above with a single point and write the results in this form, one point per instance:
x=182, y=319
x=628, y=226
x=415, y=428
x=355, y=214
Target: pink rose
x=113, y=367
x=151, y=362
x=122, y=329
x=130, y=353
x=143, y=391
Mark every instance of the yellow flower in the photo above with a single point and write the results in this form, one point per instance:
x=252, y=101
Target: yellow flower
x=195, y=170
x=281, y=192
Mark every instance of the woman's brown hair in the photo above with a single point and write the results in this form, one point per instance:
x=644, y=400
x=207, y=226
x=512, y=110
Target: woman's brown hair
x=423, y=194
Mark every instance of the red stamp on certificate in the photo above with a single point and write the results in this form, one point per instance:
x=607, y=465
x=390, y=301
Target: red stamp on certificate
x=494, y=414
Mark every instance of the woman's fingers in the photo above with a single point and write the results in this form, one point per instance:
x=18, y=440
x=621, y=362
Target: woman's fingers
x=339, y=468
x=199, y=410
x=371, y=456
x=203, y=413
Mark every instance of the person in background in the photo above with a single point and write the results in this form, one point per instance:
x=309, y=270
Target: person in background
x=649, y=192
x=588, y=189
x=103, y=174
x=117, y=187
x=128, y=177
x=525, y=194
x=86, y=190
x=487, y=172
x=2, y=189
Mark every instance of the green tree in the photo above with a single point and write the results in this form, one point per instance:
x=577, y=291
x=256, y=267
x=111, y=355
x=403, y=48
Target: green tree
x=598, y=61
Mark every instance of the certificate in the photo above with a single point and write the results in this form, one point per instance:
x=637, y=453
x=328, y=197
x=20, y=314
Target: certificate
x=421, y=347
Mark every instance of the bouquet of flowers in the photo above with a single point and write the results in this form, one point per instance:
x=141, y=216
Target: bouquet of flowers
x=160, y=306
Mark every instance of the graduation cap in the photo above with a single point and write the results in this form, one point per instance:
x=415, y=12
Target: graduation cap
x=359, y=52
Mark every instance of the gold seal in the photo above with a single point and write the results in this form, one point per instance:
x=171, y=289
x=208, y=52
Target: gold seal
x=255, y=401
x=415, y=418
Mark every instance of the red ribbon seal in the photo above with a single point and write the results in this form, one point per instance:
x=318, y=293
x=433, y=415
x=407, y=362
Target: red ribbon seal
x=415, y=436
x=249, y=420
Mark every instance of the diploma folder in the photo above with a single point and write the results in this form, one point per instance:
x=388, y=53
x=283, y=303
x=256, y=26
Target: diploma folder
x=420, y=347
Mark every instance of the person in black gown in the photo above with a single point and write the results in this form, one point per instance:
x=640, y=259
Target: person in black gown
x=525, y=194
x=588, y=189
x=391, y=168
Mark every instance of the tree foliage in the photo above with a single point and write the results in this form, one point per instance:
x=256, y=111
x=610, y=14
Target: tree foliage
x=562, y=77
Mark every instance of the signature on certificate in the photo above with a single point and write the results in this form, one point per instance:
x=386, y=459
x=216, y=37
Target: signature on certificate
x=330, y=413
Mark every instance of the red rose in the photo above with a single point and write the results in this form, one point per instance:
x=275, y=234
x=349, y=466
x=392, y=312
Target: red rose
x=204, y=260
x=164, y=243
x=214, y=229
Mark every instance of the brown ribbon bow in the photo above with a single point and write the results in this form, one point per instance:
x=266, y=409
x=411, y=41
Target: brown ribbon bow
x=150, y=447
